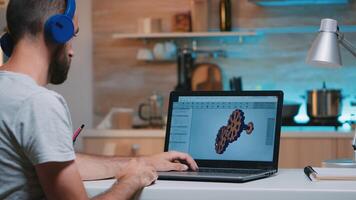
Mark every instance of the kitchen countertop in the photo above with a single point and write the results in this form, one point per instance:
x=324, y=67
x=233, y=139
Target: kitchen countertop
x=159, y=133
x=289, y=184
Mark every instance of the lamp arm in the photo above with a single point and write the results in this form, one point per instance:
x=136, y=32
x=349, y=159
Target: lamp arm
x=354, y=140
x=346, y=44
x=354, y=147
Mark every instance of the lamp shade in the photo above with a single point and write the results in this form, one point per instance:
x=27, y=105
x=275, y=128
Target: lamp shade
x=325, y=50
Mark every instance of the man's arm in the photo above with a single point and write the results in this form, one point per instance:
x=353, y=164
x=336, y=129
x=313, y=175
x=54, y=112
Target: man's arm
x=101, y=167
x=62, y=181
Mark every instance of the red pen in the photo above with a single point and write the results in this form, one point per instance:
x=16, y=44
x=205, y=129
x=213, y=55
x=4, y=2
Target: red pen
x=77, y=132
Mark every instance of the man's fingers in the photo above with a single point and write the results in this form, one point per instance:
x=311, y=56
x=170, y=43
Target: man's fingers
x=150, y=177
x=178, y=167
x=184, y=157
x=137, y=170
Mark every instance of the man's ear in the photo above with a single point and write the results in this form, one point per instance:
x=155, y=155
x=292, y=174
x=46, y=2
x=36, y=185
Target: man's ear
x=7, y=44
x=51, y=46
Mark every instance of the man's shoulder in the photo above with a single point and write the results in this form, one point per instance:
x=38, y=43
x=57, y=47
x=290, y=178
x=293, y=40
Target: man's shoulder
x=45, y=98
x=17, y=91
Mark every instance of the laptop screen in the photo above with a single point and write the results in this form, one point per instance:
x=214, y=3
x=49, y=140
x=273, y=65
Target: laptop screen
x=231, y=128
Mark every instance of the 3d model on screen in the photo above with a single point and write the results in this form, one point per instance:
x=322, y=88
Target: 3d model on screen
x=232, y=131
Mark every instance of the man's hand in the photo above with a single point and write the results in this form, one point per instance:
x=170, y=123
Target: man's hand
x=171, y=161
x=137, y=174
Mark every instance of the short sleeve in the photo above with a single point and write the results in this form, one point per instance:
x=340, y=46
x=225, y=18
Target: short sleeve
x=45, y=129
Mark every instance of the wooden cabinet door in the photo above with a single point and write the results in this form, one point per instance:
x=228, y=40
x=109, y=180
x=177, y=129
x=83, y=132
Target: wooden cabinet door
x=123, y=146
x=300, y=152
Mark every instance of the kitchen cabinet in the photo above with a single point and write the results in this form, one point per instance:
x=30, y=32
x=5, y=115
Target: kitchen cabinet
x=300, y=152
x=124, y=143
x=297, y=149
x=126, y=146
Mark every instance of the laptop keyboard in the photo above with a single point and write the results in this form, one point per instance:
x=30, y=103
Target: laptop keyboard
x=232, y=171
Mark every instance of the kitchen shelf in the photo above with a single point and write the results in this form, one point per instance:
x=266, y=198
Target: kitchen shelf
x=158, y=60
x=297, y=2
x=181, y=35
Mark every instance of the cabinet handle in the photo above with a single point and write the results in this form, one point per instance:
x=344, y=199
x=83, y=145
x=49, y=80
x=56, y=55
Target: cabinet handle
x=135, y=148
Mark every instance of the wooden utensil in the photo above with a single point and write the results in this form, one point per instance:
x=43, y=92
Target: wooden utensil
x=207, y=77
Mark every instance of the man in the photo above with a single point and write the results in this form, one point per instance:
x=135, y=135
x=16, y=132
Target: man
x=37, y=159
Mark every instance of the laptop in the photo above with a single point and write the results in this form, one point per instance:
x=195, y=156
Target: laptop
x=233, y=136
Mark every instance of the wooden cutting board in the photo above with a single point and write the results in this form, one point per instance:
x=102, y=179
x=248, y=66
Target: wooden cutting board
x=207, y=77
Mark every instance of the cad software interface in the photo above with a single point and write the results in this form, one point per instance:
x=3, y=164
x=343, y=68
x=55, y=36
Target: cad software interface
x=239, y=128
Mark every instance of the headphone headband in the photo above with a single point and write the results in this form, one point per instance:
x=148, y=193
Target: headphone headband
x=70, y=8
x=59, y=28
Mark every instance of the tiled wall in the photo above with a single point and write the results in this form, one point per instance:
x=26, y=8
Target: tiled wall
x=277, y=61
x=274, y=59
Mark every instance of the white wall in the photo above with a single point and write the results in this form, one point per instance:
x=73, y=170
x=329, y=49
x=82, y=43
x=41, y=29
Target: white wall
x=77, y=90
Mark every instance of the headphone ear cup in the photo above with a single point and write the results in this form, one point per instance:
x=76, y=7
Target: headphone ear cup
x=59, y=28
x=7, y=44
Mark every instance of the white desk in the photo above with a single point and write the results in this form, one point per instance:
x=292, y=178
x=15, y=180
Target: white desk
x=289, y=184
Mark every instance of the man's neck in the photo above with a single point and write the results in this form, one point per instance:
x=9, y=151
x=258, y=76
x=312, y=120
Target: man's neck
x=31, y=58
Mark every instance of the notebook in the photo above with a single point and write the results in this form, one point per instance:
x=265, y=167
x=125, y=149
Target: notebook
x=318, y=174
x=233, y=136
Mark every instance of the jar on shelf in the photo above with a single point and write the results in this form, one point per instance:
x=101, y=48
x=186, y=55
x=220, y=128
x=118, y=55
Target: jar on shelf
x=225, y=15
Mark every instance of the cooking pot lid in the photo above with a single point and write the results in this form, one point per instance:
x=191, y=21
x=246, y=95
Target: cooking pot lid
x=325, y=90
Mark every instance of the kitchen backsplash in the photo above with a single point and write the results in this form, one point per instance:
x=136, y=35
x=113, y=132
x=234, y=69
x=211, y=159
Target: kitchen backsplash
x=273, y=59
x=277, y=61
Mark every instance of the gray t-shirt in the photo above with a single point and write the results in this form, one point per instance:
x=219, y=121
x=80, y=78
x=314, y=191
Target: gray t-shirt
x=35, y=128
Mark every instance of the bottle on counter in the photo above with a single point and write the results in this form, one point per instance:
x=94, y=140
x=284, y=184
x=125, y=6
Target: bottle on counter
x=225, y=15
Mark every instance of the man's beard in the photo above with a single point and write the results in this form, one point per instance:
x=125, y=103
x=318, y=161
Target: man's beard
x=59, y=66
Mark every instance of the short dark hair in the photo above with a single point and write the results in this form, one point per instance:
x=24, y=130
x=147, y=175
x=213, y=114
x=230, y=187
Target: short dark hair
x=27, y=17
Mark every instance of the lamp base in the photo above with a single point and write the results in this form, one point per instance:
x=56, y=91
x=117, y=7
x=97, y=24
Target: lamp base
x=339, y=163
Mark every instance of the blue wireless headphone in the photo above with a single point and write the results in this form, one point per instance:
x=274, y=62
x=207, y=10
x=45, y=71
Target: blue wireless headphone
x=59, y=28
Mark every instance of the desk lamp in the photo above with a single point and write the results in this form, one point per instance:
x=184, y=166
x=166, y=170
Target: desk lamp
x=325, y=51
